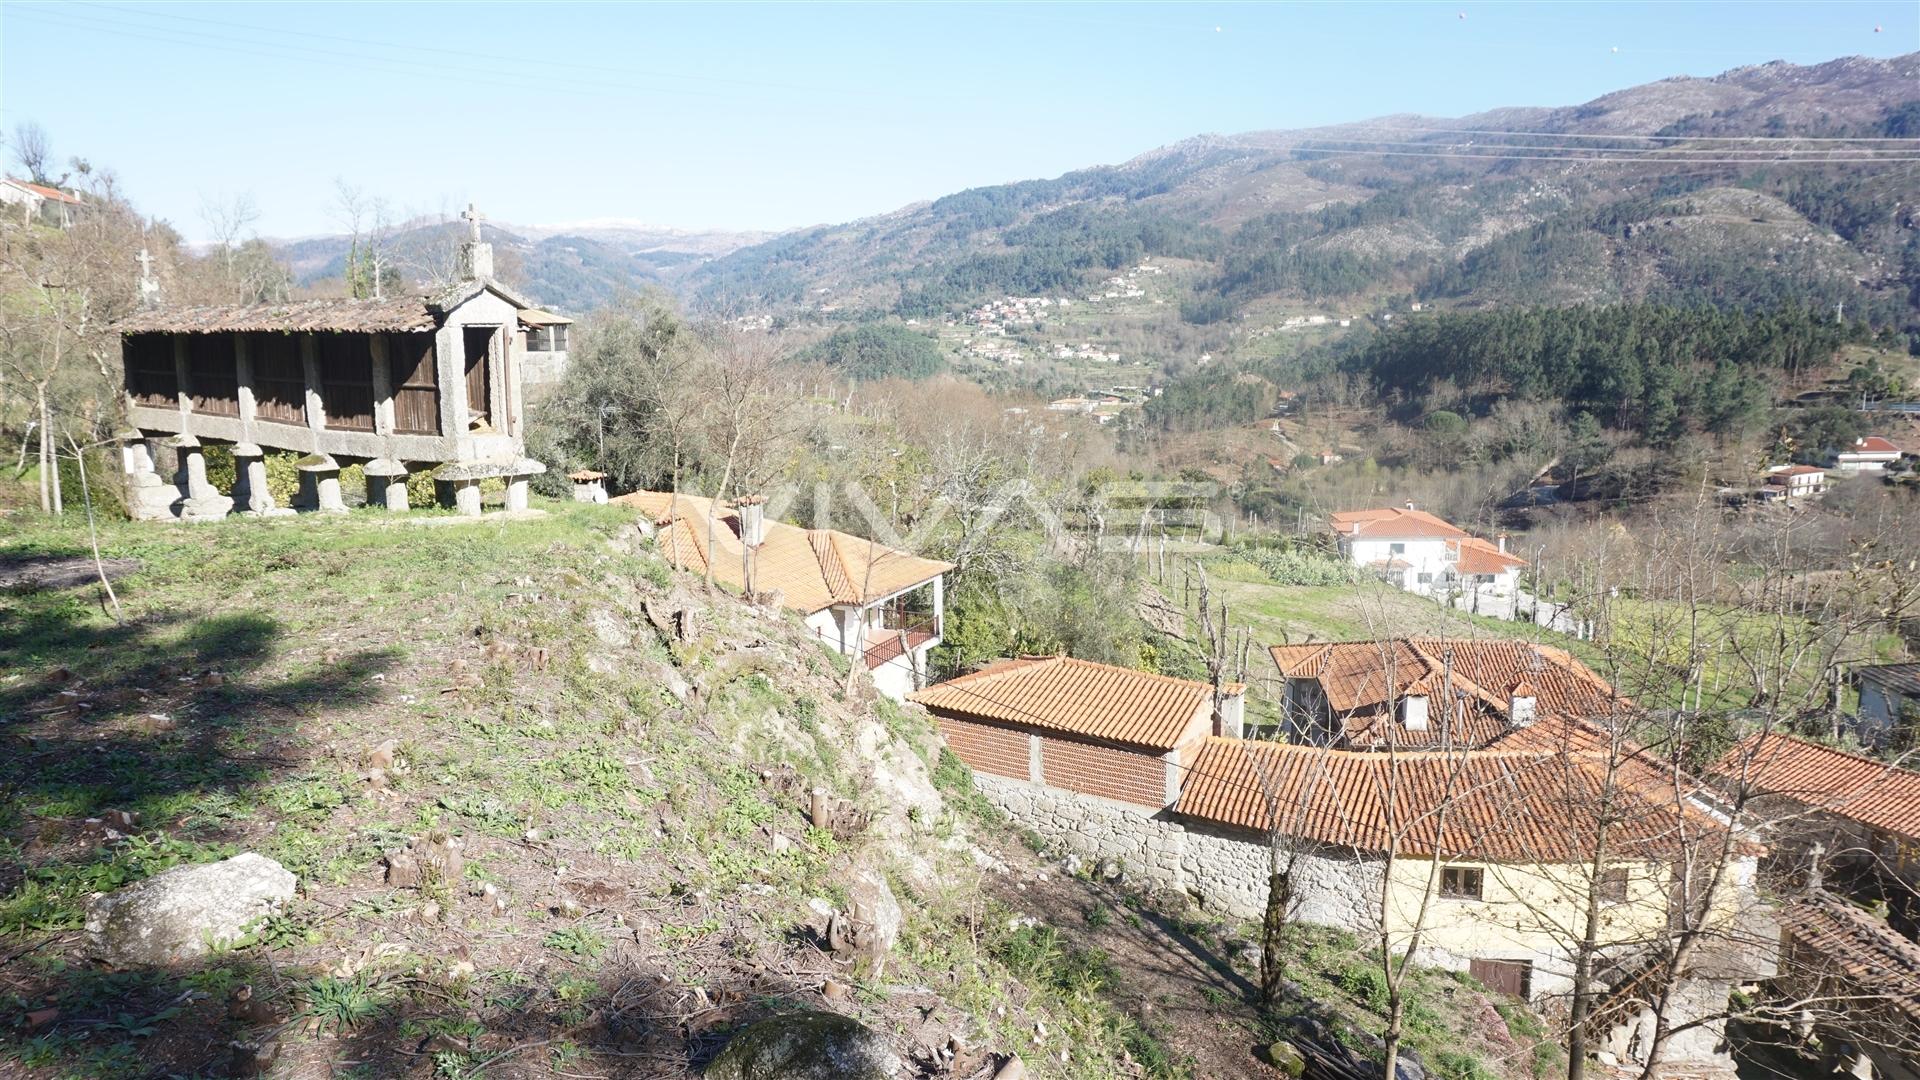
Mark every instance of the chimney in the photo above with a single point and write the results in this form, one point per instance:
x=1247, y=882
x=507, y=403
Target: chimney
x=1410, y=504
x=1522, y=704
x=1502, y=538
x=1413, y=712
x=753, y=519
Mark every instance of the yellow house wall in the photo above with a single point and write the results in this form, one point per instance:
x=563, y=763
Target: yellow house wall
x=1533, y=913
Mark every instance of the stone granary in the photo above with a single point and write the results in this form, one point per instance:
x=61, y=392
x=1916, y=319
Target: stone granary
x=402, y=385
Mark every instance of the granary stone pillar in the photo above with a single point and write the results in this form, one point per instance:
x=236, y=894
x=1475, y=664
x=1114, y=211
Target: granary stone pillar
x=519, y=483
x=588, y=486
x=320, y=485
x=203, y=501
x=149, y=496
x=466, y=497
x=250, y=492
x=387, y=484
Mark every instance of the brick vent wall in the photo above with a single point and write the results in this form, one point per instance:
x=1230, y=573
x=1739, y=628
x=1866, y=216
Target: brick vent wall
x=1137, y=778
x=986, y=748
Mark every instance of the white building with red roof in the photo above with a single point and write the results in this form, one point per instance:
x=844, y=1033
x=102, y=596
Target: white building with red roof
x=1871, y=455
x=32, y=198
x=1425, y=554
x=1790, y=482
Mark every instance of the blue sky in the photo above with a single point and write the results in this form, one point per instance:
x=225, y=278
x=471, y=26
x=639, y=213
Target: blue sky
x=771, y=116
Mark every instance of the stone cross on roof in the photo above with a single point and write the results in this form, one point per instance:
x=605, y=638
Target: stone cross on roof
x=146, y=263
x=474, y=218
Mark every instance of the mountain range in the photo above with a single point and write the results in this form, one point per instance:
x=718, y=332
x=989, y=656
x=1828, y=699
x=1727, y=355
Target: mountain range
x=1690, y=190
x=1637, y=194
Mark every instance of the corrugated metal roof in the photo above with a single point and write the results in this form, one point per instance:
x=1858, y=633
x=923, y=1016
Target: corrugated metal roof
x=1902, y=677
x=1849, y=785
x=1077, y=697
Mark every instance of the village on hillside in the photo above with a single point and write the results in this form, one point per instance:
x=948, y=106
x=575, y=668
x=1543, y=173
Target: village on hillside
x=1285, y=633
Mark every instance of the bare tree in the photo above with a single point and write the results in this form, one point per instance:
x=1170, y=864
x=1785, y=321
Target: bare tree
x=69, y=284
x=229, y=221
x=33, y=149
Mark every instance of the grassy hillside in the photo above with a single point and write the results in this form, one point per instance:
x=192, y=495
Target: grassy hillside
x=639, y=876
x=531, y=711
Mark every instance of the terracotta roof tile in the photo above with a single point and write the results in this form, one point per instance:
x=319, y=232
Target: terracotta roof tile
x=813, y=569
x=1479, y=556
x=1364, y=680
x=44, y=191
x=1078, y=697
x=1849, y=785
x=1393, y=523
x=1874, y=444
x=1499, y=806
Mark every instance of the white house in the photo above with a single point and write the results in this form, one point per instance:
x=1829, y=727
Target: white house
x=863, y=598
x=31, y=199
x=1792, y=482
x=1872, y=454
x=1425, y=555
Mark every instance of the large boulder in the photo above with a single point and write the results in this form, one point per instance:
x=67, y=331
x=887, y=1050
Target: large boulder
x=806, y=1046
x=186, y=911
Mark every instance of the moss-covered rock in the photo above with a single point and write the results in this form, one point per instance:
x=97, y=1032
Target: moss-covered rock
x=806, y=1046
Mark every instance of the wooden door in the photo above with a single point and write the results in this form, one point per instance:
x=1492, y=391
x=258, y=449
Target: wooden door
x=478, y=341
x=416, y=393
x=1512, y=978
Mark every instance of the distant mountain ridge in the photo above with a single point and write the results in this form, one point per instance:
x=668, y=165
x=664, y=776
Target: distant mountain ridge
x=1472, y=210
x=572, y=267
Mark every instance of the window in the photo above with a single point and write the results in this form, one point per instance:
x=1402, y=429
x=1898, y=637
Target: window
x=1396, y=549
x=1460, y=882
x=539, y=339
x=1613, y=885
x=559, y=338
x=1426, y=579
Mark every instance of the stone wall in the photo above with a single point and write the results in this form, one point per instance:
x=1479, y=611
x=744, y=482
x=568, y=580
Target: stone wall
x=1225, y=869
x=1146, y=843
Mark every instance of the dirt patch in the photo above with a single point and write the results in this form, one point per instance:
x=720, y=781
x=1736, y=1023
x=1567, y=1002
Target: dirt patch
x=36, y=573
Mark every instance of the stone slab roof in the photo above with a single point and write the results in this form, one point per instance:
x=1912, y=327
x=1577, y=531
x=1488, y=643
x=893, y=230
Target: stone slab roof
x=1857, y=947
x=410, y=313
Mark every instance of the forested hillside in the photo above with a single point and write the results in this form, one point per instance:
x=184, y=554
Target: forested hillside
x=1637, y=196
